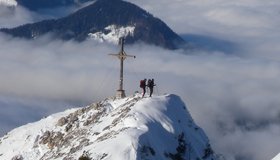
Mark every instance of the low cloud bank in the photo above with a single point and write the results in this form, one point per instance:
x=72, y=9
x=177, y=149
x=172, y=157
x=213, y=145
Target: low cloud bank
x=233, y=97
x=14, y=16
x=253, y=24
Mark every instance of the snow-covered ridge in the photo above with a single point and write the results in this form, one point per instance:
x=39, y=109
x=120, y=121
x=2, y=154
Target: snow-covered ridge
x=277, y=157
x=9, y=3
x=112, y=33
x=133, y=128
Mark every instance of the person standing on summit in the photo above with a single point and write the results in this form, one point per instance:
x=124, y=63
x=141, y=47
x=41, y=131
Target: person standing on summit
x=143, y=86
x=151, y=85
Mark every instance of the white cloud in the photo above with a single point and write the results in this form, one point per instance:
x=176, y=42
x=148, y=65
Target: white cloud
x=234, y=97
x=221, y=90
x=14, y=16
x=250, y=23
x=9, y=3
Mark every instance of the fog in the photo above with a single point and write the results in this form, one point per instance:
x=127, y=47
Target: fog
x=12, y=17
x=250, y=23
x=232, y=92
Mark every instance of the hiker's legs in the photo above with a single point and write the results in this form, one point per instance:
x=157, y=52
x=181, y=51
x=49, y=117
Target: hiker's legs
x=144, y=91
x=151, y=91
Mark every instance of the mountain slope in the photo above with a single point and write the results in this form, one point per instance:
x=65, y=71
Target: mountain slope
x=95, y=20
x=132, y=128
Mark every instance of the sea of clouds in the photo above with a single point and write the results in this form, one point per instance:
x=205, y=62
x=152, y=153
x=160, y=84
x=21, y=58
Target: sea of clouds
x=231, y=86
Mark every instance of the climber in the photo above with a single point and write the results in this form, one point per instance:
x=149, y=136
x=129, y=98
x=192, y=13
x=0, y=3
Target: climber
x=151, y=85
x=143, y=86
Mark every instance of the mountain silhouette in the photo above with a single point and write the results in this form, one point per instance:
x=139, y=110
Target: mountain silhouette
x=99, y=15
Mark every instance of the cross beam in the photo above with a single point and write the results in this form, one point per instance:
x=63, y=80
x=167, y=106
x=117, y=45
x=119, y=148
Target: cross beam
x=122, y=56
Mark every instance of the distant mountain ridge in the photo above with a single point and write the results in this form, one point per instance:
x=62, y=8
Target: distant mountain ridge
x=132, y=128
x=100, y=15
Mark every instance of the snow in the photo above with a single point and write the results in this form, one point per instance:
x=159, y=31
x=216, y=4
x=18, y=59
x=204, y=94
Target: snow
x=113, y=33
x=9, y=3
x=114, y=129
x=277, y=157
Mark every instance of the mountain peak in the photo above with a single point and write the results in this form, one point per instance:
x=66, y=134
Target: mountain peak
x=132, y=128
x=92, y=21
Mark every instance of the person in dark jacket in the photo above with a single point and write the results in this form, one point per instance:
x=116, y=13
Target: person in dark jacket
x=151, y=85
x=143, y=86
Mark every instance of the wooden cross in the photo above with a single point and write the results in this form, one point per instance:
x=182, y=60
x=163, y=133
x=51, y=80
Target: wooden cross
x=122, y=56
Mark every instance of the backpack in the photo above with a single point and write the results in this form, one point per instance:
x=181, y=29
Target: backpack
x=142, y=84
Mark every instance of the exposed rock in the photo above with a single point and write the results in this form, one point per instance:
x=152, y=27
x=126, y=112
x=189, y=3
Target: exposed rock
x=103, y=156
x=122, y=114
x=68, y=127
x=95, y=106
x=181, y=149
x=67, y=140
x=52, y=139
x=46, y=137
x=94, y=118
x=85, y=156
x=110, y=134
x=17, y=157
x=106, y=128
x=84, y=142
x=73, y=117
x=36, y=142
x=96, y=133
x=80, y=112
x=107, y=125
x=62, y=121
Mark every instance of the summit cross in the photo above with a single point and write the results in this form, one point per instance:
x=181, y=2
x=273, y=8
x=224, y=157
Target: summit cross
x=122, y=56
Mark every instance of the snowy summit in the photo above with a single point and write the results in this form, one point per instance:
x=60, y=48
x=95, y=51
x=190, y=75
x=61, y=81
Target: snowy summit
x=133, y=128
x=277, y=157
x=114, y=33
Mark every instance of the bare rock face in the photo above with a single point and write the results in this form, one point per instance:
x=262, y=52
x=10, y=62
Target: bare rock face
x=73, y=117
x=74, y=125
x=17, y=157
x=62, y=121
x=46, y=137
x=51, y=139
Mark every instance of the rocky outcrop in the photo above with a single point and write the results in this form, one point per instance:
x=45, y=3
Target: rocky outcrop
x=115, y=129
